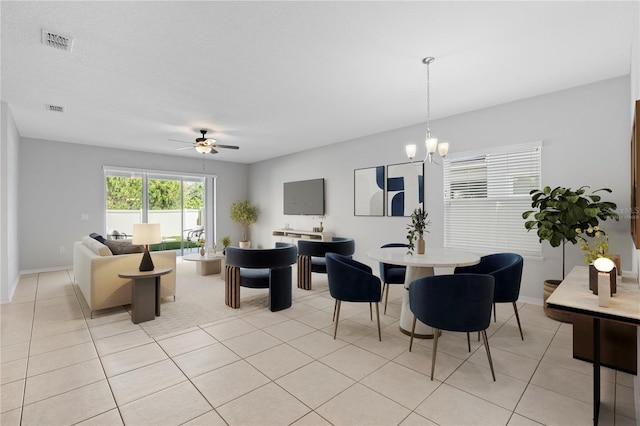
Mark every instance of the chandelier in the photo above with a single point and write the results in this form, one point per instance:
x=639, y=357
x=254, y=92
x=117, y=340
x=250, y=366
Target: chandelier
x=431, y=143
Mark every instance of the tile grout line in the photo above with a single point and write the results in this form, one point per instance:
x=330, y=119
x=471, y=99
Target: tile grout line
x=99, y=359
x=26, y=370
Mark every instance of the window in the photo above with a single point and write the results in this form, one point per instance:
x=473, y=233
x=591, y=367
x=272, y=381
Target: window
x=485, y=196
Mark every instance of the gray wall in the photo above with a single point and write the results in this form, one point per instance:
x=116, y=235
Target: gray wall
x=59, y=182
x=585, y=134
x=9, y=267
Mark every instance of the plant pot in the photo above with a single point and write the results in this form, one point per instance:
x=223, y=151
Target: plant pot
x=245, y=244
x=420, y=245
x=549, y=287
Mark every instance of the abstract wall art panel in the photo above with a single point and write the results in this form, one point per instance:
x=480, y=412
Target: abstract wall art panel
x=368, y=185
x=405, y=188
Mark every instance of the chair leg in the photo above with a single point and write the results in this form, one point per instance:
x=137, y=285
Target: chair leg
x=335, y=330
x=386, y=297
x=335, y=306
x=486, y=346
x=370, y=312
x=435, y=349
x=468, y=342
x=494, y=312
x=515, y=309
x=378, y=318
x=413, y=329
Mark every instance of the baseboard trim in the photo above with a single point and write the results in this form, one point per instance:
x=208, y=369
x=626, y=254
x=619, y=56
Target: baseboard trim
x=531, y=300
x=43, y=270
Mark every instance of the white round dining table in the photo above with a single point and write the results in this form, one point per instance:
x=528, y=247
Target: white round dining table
x=420, y=265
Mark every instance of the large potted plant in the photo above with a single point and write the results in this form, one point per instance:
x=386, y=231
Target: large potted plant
x=560, y=215
x=417, y=228
x=246, y=214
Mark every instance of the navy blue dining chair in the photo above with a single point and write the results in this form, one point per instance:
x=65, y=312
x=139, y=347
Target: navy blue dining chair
x=391, y=274
x=506, y=269
x=352, y=281
x=458, y=302
x=311, y=256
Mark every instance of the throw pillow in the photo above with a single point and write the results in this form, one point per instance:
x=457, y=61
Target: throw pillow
x=96, y=246
x=97, y=237
x=123, y=247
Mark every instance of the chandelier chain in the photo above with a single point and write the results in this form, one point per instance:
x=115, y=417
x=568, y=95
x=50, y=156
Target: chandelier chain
x=428, y=101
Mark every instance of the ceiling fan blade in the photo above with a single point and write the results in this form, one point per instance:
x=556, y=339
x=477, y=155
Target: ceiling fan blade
x=225, y=146
x=213, y=151
x=184, y=147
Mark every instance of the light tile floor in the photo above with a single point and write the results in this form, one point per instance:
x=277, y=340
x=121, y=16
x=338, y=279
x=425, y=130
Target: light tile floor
x=59, y=367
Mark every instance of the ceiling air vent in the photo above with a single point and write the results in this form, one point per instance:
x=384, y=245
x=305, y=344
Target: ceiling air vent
x=55, y=108
x=57, y=40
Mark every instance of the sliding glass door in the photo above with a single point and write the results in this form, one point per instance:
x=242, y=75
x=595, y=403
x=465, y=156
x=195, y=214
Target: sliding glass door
x=177, y=203
x=125, y=200
x=165, y=207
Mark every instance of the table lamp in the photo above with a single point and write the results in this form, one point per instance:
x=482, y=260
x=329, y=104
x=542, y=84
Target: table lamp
x=604, y=267
x=146, y=233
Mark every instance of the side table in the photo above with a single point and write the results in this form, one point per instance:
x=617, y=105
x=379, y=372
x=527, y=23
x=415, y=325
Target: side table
x=145, y=293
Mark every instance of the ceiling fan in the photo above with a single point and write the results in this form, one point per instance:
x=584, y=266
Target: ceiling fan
x=206, y=145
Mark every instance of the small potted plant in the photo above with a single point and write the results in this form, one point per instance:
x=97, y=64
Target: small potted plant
x=594, y=242
x=226, y=242
x=417, y=228
x=246, y=214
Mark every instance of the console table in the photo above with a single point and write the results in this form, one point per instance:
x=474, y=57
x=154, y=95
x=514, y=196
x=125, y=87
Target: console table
x=293, y=235
x=573, y=295
x=145, y=293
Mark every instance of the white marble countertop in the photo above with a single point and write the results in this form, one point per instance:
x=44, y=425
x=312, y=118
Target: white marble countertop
x=573, y=295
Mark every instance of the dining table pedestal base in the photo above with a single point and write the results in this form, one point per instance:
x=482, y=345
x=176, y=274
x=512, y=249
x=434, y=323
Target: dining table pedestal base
x=422, y=331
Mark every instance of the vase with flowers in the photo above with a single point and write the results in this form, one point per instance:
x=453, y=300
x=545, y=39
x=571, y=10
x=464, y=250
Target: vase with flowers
x=594, y=242
x=201, y=242
x=417, y=228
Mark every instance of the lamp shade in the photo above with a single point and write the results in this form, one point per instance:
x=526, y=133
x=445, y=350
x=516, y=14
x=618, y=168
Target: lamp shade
x=411, y=150
x=146, y=233
x=603, y=264
x=443, y=149
x=203, y=149
x=431, y=144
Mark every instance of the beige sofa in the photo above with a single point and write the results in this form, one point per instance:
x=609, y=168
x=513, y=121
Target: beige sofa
x=96, y=270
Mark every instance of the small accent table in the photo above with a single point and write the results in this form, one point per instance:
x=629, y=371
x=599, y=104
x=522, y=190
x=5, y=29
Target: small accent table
x=145, y=293
x=207, y=264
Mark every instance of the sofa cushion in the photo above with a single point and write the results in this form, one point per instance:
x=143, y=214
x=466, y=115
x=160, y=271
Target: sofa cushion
x=123, y=247
x=96, y=246
x=97, y=237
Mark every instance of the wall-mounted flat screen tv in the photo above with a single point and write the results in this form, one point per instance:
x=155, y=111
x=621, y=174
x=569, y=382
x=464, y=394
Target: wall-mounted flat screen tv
x=304, y=197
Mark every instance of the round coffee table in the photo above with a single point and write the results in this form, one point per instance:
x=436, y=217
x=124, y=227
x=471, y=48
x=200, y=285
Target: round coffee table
x=207, y=264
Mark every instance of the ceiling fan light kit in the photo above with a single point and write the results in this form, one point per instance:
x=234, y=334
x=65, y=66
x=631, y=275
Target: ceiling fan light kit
x=204, y=145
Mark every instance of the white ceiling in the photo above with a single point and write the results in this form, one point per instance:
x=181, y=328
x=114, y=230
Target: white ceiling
x=280, y=77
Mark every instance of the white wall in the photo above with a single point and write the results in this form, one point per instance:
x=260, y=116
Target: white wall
x=60, y=181
x=585, y=142
x=9, y=242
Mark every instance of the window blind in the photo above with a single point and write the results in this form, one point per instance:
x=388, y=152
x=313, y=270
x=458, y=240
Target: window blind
x=485, y=196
